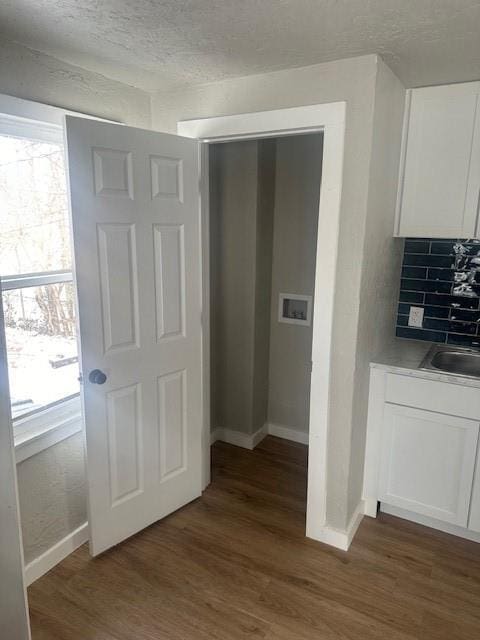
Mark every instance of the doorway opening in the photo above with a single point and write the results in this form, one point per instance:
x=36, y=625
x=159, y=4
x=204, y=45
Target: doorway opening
x=264, y=203
x=329, y=119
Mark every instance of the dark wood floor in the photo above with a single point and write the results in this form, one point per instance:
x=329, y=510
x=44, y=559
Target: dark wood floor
x=235, y=564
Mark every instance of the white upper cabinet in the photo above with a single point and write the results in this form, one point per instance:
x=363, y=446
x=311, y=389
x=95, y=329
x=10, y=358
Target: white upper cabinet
x=439, y=184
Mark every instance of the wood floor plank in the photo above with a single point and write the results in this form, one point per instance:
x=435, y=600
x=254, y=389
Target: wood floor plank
x=235, y=564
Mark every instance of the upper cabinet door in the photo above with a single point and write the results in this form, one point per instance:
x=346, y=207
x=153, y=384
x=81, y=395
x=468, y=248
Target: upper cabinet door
x=440, y=168
x=427, y=462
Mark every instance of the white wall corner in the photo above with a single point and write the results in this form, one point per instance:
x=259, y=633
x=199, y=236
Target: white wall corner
x=38, y=567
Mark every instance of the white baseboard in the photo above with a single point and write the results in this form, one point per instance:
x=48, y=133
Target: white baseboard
x=238, y=438
x=250, y=441
x=214, y=436
x=54, y=555
x=339, y=538
x=287, y=433
x=259, y=435
x=371, y=507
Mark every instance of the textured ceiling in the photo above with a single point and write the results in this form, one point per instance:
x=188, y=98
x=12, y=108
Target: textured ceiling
x=158, y=44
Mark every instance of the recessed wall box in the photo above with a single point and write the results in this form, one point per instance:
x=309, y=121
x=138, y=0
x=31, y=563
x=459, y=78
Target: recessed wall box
x=295, y=309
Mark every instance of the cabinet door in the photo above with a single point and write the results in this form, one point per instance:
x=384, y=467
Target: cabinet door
x=427, y=462
x=440, y=183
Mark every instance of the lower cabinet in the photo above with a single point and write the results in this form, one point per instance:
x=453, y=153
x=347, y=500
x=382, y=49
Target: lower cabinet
x=422, y=457
x=427, y=462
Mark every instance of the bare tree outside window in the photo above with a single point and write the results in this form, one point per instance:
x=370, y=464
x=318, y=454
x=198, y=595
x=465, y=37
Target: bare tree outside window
x=35, y=251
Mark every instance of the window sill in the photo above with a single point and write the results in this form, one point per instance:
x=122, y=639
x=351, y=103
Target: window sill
x=46, y=429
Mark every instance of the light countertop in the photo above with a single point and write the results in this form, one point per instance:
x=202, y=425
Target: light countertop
x=405, y=356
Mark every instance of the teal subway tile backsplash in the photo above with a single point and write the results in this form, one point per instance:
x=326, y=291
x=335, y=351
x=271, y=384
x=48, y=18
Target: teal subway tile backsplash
x=443, y=277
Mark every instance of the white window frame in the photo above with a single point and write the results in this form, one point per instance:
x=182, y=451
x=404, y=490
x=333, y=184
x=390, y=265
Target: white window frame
x=45, y=427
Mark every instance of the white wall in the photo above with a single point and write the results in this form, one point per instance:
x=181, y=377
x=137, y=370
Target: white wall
x=52, y=494
x=382, y=258
x=355, y=82
x=52, y=483
x=34, y=76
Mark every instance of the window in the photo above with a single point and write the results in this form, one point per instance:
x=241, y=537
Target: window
x=36, y=268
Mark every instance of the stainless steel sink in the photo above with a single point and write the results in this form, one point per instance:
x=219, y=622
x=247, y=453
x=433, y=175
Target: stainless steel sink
x=454, y=360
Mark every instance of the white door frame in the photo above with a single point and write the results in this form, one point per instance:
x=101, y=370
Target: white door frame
x=329, y=118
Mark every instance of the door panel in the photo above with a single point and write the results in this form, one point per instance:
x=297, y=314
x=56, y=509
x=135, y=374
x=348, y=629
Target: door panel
x=125, y=455
x=169, y=255
x=136, y=232
x=172, y=423
x=167, y=177
x=113, y=173
x=119, y=285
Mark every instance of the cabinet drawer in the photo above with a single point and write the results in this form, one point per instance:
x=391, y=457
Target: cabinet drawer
x=431, y=395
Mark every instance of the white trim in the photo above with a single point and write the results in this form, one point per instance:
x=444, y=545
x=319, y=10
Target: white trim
x=38, y=113
x=250, y=441
x=239, y=438
x=39, y=567
x=287, y=433
x=47, y=438
x=426, y=521
x=46, y=418
x=371, y=507
x=277, y=122
x=329, y=118
x=44, y=429
x=24, y=280
x=205, y=309
x=343, y=539
x=20, y=128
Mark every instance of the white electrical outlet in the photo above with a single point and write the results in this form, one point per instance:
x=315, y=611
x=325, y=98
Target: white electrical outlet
x=415, y=317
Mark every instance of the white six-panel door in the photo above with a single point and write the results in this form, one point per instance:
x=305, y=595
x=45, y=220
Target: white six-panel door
x=136, y=233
